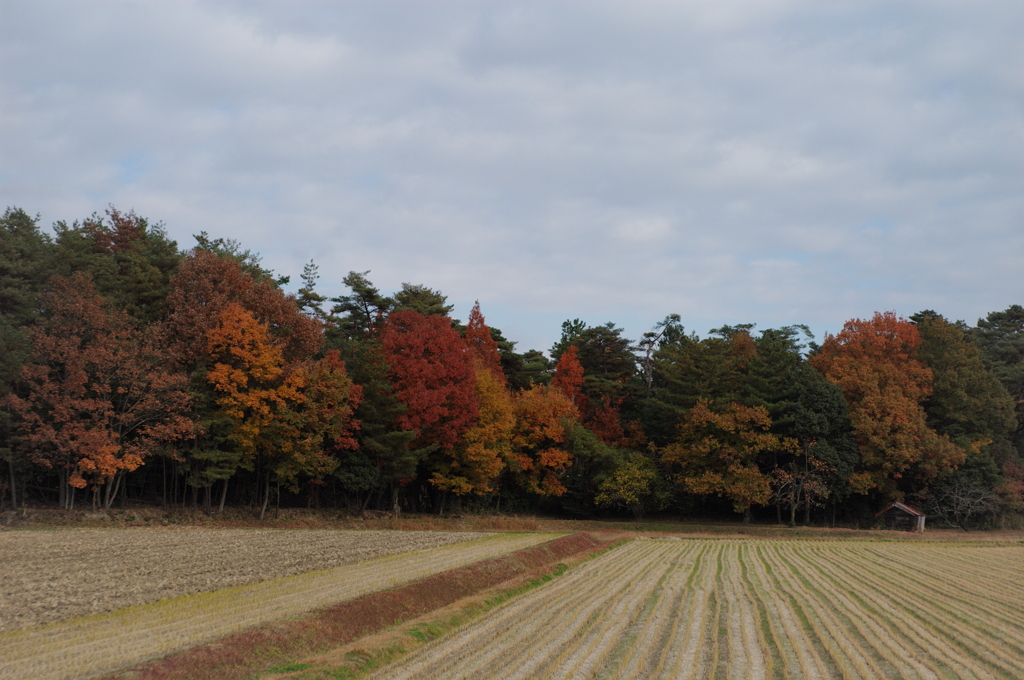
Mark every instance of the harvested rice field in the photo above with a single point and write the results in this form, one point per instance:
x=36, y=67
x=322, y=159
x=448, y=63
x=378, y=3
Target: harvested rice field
x=52, y=576
x=658, y=608
x=89, y=645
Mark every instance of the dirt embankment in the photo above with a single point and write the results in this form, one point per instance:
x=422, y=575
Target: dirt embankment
x=244, y=655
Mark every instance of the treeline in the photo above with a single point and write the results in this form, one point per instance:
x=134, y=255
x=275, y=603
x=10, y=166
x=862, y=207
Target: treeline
x=132, y=372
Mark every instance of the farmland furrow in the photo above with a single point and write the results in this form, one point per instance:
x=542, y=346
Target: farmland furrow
x=633, y=647
x=928, y=659
x=976, y=587
x=654, y=638
x=846, y=631
x=788, y=611
x=481, y=649
x=746, y=659
x=94, y=643
x=923, y=619
x=982, y=579
x=685, y=637
x=726, y=609
x=754, y=585
x=951, y=650
x=588, y=651
x=582, y=630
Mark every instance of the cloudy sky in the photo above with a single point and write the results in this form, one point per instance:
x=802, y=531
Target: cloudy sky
x=733, y=162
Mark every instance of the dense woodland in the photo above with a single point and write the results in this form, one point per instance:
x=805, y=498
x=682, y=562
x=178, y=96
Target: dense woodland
x=132, y=372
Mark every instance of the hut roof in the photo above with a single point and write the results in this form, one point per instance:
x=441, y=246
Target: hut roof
x=900, y=506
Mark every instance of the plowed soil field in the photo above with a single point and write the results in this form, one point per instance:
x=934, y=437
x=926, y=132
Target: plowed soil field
x=56, y=575
x=753, y=609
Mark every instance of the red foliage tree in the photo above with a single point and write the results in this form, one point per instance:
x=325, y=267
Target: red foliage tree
x=202, y=289
x=482, y=347
x=95, y=400
x=432, y=376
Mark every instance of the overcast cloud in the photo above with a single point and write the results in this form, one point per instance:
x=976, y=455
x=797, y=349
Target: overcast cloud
x=734, y=162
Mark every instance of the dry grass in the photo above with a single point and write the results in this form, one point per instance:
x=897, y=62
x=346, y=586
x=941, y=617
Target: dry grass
x=753, y=609
x=102, y=642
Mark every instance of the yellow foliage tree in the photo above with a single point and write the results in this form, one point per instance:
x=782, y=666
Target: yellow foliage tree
x=474, y=465
x=716, y=453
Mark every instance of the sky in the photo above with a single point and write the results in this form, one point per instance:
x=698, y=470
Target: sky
x=775, y=163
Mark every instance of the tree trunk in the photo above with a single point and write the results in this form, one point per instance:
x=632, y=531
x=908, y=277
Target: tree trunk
x=112, y=489
x=266, y=499
x=14, y=485
x=223, y=497
x=746, y=516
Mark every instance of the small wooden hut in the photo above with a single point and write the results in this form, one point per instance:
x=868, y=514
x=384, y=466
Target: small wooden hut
x=900, y=517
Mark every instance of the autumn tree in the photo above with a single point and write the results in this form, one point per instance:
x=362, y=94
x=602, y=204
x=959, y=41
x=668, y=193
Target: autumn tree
x=203, y=287
x=716, y=452
x=875, y=363
x=214, y=276
x=539, y=452
x=475, y=464
x=433, y=378
x=635, y=484
x=323, y=421
x=483, y=349
x=284, y=418
x=568, y=377
x=95, y=399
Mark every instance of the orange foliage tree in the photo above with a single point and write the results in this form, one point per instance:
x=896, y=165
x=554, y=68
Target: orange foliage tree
x=284, y=418
x=539, y=454
x=95, y=401
x=474, y=465
x=716, y=452
x=569, y=377
x=874, y=362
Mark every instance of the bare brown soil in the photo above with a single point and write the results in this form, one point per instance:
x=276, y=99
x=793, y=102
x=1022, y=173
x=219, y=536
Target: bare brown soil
x=245, y=655
x=56, y=575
